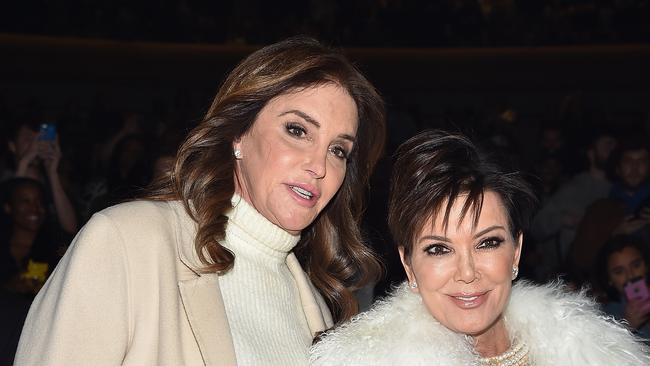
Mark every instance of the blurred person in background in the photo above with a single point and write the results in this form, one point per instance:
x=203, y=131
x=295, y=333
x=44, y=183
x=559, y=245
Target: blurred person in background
x=554, y=160
x=621, y=263
x=625, y=211
x=127, y=176
x=555, y=225
x=38, y=158
x=29, y=251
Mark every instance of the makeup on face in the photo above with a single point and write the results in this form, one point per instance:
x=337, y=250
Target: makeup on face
x=294, y=158
x=463, y=270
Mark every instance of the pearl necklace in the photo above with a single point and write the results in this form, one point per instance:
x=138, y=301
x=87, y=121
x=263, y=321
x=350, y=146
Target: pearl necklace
x=517, y=355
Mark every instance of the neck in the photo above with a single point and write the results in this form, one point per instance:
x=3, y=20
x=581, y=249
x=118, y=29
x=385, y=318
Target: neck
x=246, y=222
x=493, y=341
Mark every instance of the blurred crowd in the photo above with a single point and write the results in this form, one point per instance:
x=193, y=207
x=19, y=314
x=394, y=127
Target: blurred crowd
x=394, y=23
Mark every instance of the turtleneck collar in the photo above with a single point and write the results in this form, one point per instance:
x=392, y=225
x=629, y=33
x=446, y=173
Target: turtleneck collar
x=245, y=222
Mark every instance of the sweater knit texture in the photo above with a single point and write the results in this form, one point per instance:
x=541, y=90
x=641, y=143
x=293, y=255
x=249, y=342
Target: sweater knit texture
x=260, y=295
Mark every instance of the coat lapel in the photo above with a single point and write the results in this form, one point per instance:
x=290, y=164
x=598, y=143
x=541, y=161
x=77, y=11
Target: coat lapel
x=207, y=316
x=201, y=298
x=316, y=311
x=203, y=303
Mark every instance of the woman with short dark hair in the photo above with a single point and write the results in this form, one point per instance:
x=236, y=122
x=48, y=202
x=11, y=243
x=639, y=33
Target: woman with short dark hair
x=209, y=269
x=458, y=221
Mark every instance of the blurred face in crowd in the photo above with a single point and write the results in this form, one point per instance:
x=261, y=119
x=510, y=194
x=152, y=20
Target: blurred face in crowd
x=132, y=151
x=625, y=265
x=601, y=150
x=294, y=157
x=550, y=172
x=464, y=272
x=633, y=167
x=26, y=208
x=552, y=139
x=24, y=138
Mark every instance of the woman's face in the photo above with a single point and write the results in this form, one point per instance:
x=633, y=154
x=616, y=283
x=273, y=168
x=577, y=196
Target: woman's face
x=464, y=274
x=294, y=157
x=25, y=208
x=625, y=265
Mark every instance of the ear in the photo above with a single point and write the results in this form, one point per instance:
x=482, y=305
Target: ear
x=407, y=268
x=12, y=147
x=7, y=208
x=518, y=249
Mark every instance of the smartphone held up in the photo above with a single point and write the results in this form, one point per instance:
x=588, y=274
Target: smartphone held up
x=47, y=132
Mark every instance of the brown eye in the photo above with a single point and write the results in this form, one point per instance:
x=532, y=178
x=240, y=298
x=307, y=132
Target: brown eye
x=339, y=152
x=295, y=130
x=436, y=249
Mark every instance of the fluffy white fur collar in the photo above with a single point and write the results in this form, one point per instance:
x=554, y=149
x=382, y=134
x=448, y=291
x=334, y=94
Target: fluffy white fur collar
x=560, y=328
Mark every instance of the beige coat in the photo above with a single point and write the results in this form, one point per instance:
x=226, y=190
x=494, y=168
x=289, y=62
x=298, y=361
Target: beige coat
x=128, y=292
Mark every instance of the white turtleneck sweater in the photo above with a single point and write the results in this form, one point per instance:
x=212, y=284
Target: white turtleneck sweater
x=260, y=295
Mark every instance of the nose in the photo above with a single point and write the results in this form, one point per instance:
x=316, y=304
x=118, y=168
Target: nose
x=316, y=163
x=466, y=271
x=36, y=206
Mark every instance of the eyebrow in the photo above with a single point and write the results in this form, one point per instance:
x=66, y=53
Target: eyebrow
x=314, y=122
x=480, y=233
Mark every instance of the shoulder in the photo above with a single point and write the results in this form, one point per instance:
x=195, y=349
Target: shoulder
x=133, y=226
x=140, y=210
x=397, y=330
x=552, y=302
x=568, y=326
x=143, y=217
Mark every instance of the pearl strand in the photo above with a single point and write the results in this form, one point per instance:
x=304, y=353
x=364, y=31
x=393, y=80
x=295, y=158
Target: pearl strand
x=517, y=355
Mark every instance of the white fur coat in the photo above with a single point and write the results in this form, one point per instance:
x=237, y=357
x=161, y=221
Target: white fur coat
x=560, y=328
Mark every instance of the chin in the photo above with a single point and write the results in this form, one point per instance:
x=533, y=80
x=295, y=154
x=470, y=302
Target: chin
x=467, y=328
x=479, y=327
x=293, y=226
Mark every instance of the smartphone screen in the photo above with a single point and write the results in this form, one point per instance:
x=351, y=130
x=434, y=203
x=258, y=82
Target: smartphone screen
x=47, y=132
x=637, y=289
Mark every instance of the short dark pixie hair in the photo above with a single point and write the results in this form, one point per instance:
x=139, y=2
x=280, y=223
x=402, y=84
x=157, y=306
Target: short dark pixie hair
x=436, y=167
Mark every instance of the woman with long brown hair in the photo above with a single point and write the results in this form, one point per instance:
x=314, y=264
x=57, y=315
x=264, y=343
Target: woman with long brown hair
x=210, y=269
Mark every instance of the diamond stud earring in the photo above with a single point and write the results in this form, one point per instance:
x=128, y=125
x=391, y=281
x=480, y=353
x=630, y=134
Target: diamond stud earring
x=237, y=154
x=515, y=272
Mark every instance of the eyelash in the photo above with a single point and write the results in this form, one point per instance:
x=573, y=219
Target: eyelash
x=440, y=249
x=298, y=131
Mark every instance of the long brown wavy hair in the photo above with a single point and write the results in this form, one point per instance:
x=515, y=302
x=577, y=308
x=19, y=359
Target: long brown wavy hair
x=331, y=249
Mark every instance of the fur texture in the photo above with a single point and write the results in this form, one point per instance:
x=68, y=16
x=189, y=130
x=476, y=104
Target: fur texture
x=560, y=328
